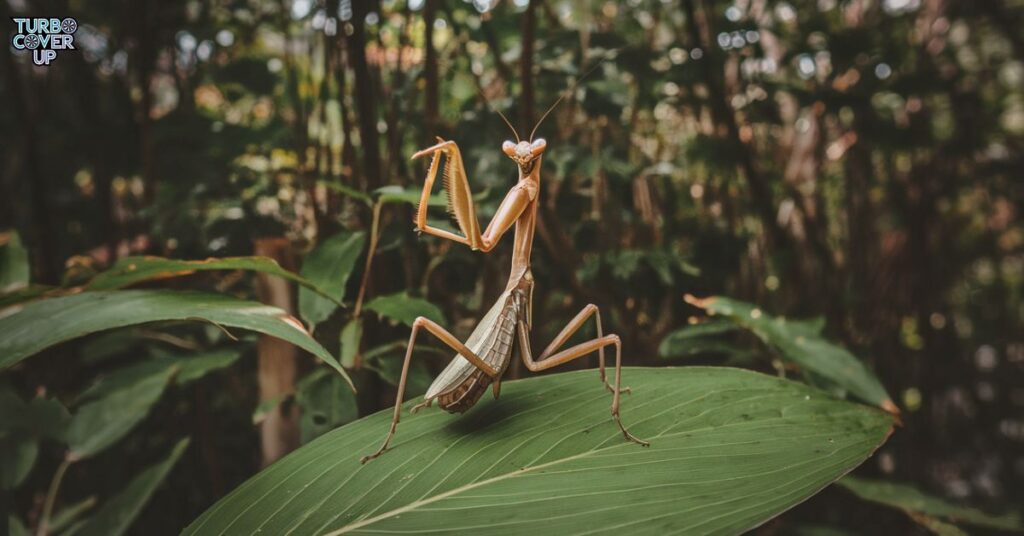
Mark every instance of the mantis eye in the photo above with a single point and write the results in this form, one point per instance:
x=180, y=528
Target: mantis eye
x=538, y=146
x=508, y=148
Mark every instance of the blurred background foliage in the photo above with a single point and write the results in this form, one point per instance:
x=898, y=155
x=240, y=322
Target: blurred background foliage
x=855, y=163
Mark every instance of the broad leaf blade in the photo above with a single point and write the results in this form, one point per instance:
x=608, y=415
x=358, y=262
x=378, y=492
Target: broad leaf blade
x=351, y=336
x=921, y=506
x=194, y=366
x=729, y=450
x=329, y=267
x=18, y=453
x=116, y=515
x=116, y=404
x=326, y=403
x=42, y=324
x=801, y=343
x=401, y=307
x=14, y=268
x=133, y=270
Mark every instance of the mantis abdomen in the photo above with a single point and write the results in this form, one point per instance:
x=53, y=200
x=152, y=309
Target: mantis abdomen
x=461, y=384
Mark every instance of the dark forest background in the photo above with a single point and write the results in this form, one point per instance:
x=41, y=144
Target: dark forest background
x=859, y=161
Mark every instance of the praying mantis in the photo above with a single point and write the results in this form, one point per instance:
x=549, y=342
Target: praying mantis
x=482, y=360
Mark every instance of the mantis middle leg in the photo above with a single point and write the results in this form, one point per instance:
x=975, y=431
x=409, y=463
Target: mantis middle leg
x=550, y=359
x=449, y=340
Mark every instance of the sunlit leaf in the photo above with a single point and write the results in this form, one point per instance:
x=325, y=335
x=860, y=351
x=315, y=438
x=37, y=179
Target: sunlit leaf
x=803, y=347
x=402, y=307
x=116, y=515
x=39, y=325
x=329, y=267
x=730, y=449
x=917, y=504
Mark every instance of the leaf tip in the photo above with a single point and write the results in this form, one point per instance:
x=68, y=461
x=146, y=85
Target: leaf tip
x=703, y=303
x=890, y=407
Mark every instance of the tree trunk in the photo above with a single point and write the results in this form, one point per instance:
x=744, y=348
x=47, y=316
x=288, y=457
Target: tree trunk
x=366, y=102
x=278, y=360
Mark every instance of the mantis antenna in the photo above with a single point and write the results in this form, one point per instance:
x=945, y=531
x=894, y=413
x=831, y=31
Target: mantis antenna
x=480, y=92
x=564, y=93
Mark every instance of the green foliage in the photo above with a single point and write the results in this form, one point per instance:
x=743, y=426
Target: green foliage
x=195, y=366
x=401, y=307
x=17, y=456
x=801, y=343
x=116, y=515
x=729, y=450
x=14, y=267
x=134, y=270
x=329, y=266
x=114, y=406
x=39, y=325
x=925, y=508
x=351, y=334
x=701, y=339
x=857, y=160
x=326, y=403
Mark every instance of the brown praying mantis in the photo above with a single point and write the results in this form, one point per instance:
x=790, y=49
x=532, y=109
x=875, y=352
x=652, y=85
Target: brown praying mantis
x=481, y=361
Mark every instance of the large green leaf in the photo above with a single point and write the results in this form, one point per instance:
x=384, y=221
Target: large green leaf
x=18, y=454
x=326, y=403
x=43, y=418
x=133, y=270
x=923, y=508
x=14, y=269
x=802, y=343
x=115, y=405
x=729, y=450
x=329, y=267
x=39, y=325
x=192, y=367
x=116, y=515
x=401, y=307
x=350, y=337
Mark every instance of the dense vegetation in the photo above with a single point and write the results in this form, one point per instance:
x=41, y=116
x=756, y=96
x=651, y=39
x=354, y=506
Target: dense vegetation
x=847, y=172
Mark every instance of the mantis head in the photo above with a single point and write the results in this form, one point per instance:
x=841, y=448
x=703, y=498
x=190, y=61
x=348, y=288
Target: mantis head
x=524, y=152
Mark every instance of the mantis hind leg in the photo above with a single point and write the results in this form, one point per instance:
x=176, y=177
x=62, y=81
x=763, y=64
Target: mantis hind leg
x=551, y=360
x=572, y=327
x=449, y=340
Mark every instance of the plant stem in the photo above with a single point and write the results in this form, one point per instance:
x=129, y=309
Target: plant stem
x=51, y=496
x=369, y=259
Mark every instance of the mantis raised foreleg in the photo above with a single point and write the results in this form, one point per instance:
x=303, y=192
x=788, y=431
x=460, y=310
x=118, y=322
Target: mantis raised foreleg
x=460, y=200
